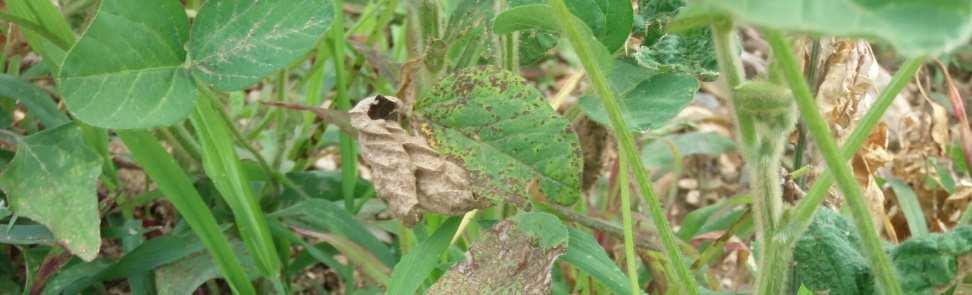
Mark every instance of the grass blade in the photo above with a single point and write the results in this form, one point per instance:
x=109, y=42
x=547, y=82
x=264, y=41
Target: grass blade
x=908, y=202
x=223, y=166
x=175, y=184
x=586, y=254
x=411, y=271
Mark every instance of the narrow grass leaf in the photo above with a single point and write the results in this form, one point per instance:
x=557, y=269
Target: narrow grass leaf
x=49, y=17
x=322, y=215
x=26, y=234
x=175, y=184
x=223, y=166
x=38, y=103
x=586, y=254
x=414, y=268
x=908, y=202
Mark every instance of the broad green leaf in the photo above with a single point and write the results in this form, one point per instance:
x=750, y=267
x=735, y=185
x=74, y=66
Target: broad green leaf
x=323, y=215
x=127, y=70
x=688, y=51
x=618, y=22
x=411, y=271
x=586, y=254
x=53, y=180
x=526, y=17
x=914, y=27
x=38, y=103
x=929, y=263
x=659, y=155
x=544, y=227
x=504, y=134
x=647, y=103
x=236, y=43
x=827, y=257
x=908, y=202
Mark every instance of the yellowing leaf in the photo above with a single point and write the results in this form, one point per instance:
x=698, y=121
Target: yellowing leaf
x=53, y=180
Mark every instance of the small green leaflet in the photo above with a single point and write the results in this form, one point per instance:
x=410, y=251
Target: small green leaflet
x=504, y=134
x=53, y=180
x=147, y=78
x=915, y=28
x=648, y=100
x=236, y=43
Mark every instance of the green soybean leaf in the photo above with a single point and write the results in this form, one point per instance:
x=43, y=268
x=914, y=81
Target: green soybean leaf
x=526, y=17
x=38, y=103
x=53, y=180
x=827, y=257
x=586, y=254
x=610, y=23
x=127, y=70
x=410, y=272
x=647, y=103
x=236, y=43
x=504, y=134
x=688, y=51
x=657, y=155
x=930, y=262
x=913, y=27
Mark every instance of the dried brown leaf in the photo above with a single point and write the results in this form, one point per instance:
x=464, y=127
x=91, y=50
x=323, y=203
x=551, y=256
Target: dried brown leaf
x=408, y=174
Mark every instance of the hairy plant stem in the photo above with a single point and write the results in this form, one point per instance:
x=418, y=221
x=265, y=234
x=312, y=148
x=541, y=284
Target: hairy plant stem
x=818, y=128
x=629, y=249
x=763, y=166
x=803, y=214
x=685, y=280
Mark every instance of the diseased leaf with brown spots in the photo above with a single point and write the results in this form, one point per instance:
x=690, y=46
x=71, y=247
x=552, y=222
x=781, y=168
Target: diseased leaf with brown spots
x=504, y=134
x=409, y=175
x=514, y=257
x=52, y=180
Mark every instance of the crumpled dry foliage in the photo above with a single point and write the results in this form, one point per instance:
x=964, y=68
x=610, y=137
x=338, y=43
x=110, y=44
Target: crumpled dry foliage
x=847, y=78
x=503, y=261
x=408, y=174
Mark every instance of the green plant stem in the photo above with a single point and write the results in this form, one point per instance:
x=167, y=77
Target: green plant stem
x=685, y=281
x=818, y=128
x=803, y=214
x=349, y=154
x=178, y=189
x=731, y=69
x=629, y=248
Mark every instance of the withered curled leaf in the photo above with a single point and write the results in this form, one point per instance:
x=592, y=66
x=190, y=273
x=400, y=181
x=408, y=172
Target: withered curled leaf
x=408, y=175
x=506, y=260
